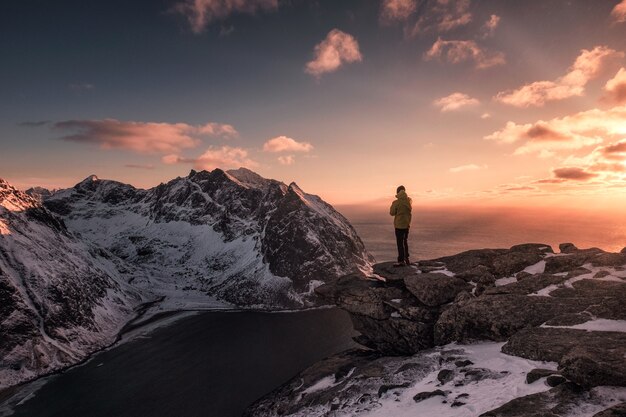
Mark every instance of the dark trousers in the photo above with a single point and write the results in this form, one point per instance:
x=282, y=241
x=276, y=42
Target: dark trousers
x=402, y=238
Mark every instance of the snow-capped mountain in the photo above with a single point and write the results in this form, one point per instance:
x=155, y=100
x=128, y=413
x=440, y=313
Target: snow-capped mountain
x=76, y=263
x=60, y=298
x=229, y=236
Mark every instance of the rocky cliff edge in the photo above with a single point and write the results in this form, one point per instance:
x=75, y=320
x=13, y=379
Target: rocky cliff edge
x=493, y=332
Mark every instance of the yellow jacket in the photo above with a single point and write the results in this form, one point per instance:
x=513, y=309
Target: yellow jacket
x=401, y=209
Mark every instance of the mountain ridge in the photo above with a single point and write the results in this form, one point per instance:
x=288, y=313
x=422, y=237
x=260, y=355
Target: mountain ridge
x=218, y=239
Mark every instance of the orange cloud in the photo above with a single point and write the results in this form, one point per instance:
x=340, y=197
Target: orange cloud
x=139, y=166
x=619, y=12
x=616, y=148
x=224, y=157
x=201, y=13
x=573, y=173
x=337, y=49
x=397, y=10
x=615, y=88
x=285, y=144
x=442, y=16
x=455, y=101
x=456, y=52
x=587, y=66
x=490, y=26
x=140, y=137
x=576, y=131
x=468, y=167
x=287, y=160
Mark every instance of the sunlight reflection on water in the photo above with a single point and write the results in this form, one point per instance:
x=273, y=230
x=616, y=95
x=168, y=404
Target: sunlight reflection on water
x=436, y=233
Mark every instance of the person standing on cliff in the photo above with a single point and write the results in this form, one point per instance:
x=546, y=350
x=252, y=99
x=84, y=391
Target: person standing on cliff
x=401, y=210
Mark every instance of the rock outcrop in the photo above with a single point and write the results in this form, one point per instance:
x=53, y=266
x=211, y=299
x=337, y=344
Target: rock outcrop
x=562, y=309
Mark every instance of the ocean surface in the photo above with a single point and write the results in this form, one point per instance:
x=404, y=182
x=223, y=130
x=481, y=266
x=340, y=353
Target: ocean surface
x=211, y=364
x=447, y=231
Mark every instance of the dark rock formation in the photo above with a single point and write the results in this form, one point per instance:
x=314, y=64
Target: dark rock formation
x=586, y=357
x=461, y=298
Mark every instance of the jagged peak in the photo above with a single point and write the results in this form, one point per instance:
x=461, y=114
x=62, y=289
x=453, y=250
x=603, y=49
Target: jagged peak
x=13, y=199
x=89, y=180
x=248, y=177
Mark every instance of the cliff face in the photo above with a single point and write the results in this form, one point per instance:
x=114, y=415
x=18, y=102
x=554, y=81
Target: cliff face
x=60, y=298
x=527, y=307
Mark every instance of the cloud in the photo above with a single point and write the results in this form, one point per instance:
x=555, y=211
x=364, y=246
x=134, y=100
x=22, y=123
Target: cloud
x=615, y=88
x=469, y=167
x=218, y=129
x=587, y=66
x=38, y=123
x=285, y=144
x=619, y=12
x=549, y=181
x=224, y=157
x=490, y=26
x=615, y=148
x=441, y=16
x=457, y=52
x=337, y=49
x=576, y=131
x=140, y=137
x=397, y=10
x=139, y=166
x=201, y=13
x=573, y=173
x=287, y=160
x=485, y=116
x=520, y=188
x=455, y=101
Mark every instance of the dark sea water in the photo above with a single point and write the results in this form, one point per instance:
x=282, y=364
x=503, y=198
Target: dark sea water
x=212, y=364
x=447, y=231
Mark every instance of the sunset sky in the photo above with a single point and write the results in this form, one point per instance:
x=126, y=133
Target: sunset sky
x=463, y=102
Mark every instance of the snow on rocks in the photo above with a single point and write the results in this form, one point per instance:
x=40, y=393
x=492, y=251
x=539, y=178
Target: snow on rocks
x=478, y=378
x=573, y=325
x=74, y=270
x=61, y=299
x=233, y=236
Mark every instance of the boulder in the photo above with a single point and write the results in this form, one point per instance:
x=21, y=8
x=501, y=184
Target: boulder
x=394, y=274
x=618, y=410
x=537, y=374
x=555, y=402
x=421, y=396
x=395, y=336
x=567, y=248
x=588, y=358
x=356, y=294
x=498, y=317
x=434, y=289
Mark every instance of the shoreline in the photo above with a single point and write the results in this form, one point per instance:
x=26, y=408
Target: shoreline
x=134, y=324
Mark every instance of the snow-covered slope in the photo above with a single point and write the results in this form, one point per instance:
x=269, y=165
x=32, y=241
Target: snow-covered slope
x=232, y=236
x=60, y=299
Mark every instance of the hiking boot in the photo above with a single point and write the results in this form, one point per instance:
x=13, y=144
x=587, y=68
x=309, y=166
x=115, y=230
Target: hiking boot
x=407, y=262
x=398, y=264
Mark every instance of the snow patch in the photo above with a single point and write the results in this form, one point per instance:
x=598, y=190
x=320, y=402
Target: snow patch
x=537, y=268
x=482, y=396
x=505, y=281
x=598, y=325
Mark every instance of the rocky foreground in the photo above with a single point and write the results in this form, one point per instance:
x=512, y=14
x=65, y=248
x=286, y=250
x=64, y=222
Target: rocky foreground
x=494, y=332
